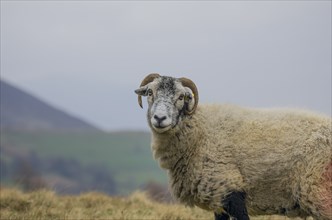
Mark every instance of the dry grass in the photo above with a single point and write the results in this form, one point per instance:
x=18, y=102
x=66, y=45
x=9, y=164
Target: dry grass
x=47, y=205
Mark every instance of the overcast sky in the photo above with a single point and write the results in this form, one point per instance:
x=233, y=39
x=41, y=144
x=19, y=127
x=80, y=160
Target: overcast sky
x=88, y=57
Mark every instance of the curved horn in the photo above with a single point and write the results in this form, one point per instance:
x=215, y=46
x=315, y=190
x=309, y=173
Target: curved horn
x=149, y=78
x=190, y=84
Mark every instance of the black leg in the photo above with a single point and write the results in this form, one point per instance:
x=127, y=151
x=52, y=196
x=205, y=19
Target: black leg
x=234, y=205
x=222, y=216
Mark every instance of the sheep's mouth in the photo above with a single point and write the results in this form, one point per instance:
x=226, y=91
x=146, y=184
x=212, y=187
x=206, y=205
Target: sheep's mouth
x=161, y=129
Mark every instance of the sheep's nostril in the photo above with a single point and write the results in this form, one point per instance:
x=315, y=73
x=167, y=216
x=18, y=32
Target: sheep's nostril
x=159, y=119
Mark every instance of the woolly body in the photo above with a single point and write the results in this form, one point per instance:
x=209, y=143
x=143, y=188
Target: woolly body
x=281, y=159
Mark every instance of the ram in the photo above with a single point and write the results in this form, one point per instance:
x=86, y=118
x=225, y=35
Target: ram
x=237, y=161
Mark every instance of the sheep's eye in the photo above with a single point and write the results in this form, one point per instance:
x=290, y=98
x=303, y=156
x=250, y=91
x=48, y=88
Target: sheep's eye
x=181, y=97
x=150, y=93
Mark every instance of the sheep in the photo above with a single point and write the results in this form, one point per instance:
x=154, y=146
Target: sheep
x=237, y=161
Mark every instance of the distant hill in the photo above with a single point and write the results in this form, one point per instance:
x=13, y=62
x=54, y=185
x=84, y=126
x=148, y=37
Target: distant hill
x=34, y=154
x=22, y=111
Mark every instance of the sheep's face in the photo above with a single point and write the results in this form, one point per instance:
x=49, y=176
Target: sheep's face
x=169, y=101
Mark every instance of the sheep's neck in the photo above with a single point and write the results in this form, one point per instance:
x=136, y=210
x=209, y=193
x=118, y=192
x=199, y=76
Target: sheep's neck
x=175, y=153
x=173, y=149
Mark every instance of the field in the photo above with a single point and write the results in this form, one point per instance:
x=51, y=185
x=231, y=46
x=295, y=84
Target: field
x=47, y=205
x=124, y=155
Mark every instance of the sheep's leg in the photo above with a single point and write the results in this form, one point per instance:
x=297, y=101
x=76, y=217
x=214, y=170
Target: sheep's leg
x=235, y=207
x=222, y=216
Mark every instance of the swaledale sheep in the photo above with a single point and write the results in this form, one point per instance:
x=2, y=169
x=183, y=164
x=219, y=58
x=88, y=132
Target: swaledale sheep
x=237, y=161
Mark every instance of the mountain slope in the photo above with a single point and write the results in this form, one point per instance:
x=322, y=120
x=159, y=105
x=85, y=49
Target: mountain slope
x=22, y=111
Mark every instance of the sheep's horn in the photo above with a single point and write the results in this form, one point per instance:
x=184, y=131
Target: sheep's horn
x=149, y=78
x=190, y=84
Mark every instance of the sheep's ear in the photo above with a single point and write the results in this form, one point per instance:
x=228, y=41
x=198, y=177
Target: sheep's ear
x=191, y=85
x=141, y=91
x=189, y=99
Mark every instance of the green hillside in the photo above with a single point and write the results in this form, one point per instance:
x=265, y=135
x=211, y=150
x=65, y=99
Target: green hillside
x=126, y=155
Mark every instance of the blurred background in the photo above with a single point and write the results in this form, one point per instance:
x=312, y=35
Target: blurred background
x=69, y=116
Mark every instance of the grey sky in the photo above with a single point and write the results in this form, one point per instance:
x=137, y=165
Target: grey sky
x=88, y=57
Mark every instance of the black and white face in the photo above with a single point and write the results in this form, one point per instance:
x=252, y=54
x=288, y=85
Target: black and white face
x=168, y=101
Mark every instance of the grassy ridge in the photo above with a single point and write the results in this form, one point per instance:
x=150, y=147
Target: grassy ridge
x=47, y=205
x=127, y=155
